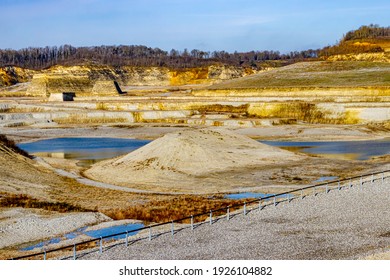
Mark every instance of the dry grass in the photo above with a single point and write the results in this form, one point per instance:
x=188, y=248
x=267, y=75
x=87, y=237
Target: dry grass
x=11, y=145
x=25, y=201
x=219, y=108
x=22, y=110
x=170, y=209
x=80, y=119
x=101, y=106
x=304, y=111
x=316, y=74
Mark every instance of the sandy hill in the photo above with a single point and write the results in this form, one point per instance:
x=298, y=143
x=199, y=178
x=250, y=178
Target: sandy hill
x=19, y=174
x=187, y=160
x=318, y=74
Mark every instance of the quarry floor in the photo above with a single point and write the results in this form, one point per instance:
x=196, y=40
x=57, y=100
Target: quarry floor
x=348, y=224
x=297, y=132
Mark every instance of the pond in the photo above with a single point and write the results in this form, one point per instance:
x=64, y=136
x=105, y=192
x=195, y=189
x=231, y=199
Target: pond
x=91, y=233
x=253, y=195
x=86, y=150
x=347, y=150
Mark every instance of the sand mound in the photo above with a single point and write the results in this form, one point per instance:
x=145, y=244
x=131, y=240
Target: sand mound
x=173, y=161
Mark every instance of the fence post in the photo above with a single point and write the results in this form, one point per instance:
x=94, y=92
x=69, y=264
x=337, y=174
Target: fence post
x=228, y=213
x=274, y=200
x=192, y=222
x=211, y=217
x=150, y=233
x=244, y=208
x=350, y=184
x=383, y=177
x=314, y=191
x=260, y=204
x=289, y=198
x=327, y=188
x=372, y=178
x=338, y=186
x=172, y=229
x=127, y=241
x=101, y=245
x=301, y=194
x=74, y=251
x=361, y=181
x=44, y=254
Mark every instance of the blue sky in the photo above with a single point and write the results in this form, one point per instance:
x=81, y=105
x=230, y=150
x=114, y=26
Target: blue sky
x=210, y=25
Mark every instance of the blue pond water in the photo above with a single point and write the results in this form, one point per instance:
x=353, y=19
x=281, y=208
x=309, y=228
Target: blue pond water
x=325, y=178
x=86, y=150
x=92, y=233
x=251, y=195
x=355, y=150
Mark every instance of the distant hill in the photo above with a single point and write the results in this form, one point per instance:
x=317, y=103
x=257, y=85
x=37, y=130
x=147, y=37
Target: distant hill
x=366, y=39
x=317, y=74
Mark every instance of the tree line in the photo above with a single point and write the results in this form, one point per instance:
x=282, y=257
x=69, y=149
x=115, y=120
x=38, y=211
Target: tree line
x=67, y=55
x=135, y=55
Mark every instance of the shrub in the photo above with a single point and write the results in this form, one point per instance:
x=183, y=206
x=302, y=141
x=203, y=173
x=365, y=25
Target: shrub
x=22, y=200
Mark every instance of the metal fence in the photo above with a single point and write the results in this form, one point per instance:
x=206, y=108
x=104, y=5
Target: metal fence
x=216, y=214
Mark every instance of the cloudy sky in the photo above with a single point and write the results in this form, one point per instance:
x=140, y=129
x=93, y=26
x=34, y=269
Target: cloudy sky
x=207, y=25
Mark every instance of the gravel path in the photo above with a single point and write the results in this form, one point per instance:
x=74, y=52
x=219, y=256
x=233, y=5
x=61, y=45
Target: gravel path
x=346, y=224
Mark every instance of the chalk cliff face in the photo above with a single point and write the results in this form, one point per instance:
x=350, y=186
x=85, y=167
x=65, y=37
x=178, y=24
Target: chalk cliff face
x=82, y=79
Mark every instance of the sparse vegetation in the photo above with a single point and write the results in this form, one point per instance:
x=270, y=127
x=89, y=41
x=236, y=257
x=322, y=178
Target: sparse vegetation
x=22, y=110
x=172, y=209
x=289, y=113
x=79, y=119
x=101, y=106
x=25, y=201
x=219, y=108
x=314, y=75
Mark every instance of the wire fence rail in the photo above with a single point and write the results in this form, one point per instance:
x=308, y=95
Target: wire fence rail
x=274, y=199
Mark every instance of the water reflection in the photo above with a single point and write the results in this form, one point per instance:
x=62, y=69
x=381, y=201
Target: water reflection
x=346, y=150
x=253, y=195
x=91, y=233
x=86, y=150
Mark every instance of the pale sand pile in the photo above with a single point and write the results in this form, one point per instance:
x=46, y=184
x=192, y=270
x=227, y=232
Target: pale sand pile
x=190, y=159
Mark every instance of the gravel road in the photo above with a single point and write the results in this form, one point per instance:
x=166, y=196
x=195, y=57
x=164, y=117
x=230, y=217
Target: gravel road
x=346, y=224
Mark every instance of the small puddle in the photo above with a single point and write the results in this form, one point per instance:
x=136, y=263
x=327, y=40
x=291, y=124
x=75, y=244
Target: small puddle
x=91, y=233
x=346, y=150
x=252, y=195
x=325, y=178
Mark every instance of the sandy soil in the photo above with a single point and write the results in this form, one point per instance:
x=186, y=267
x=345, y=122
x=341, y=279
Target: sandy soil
x=22, y=226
